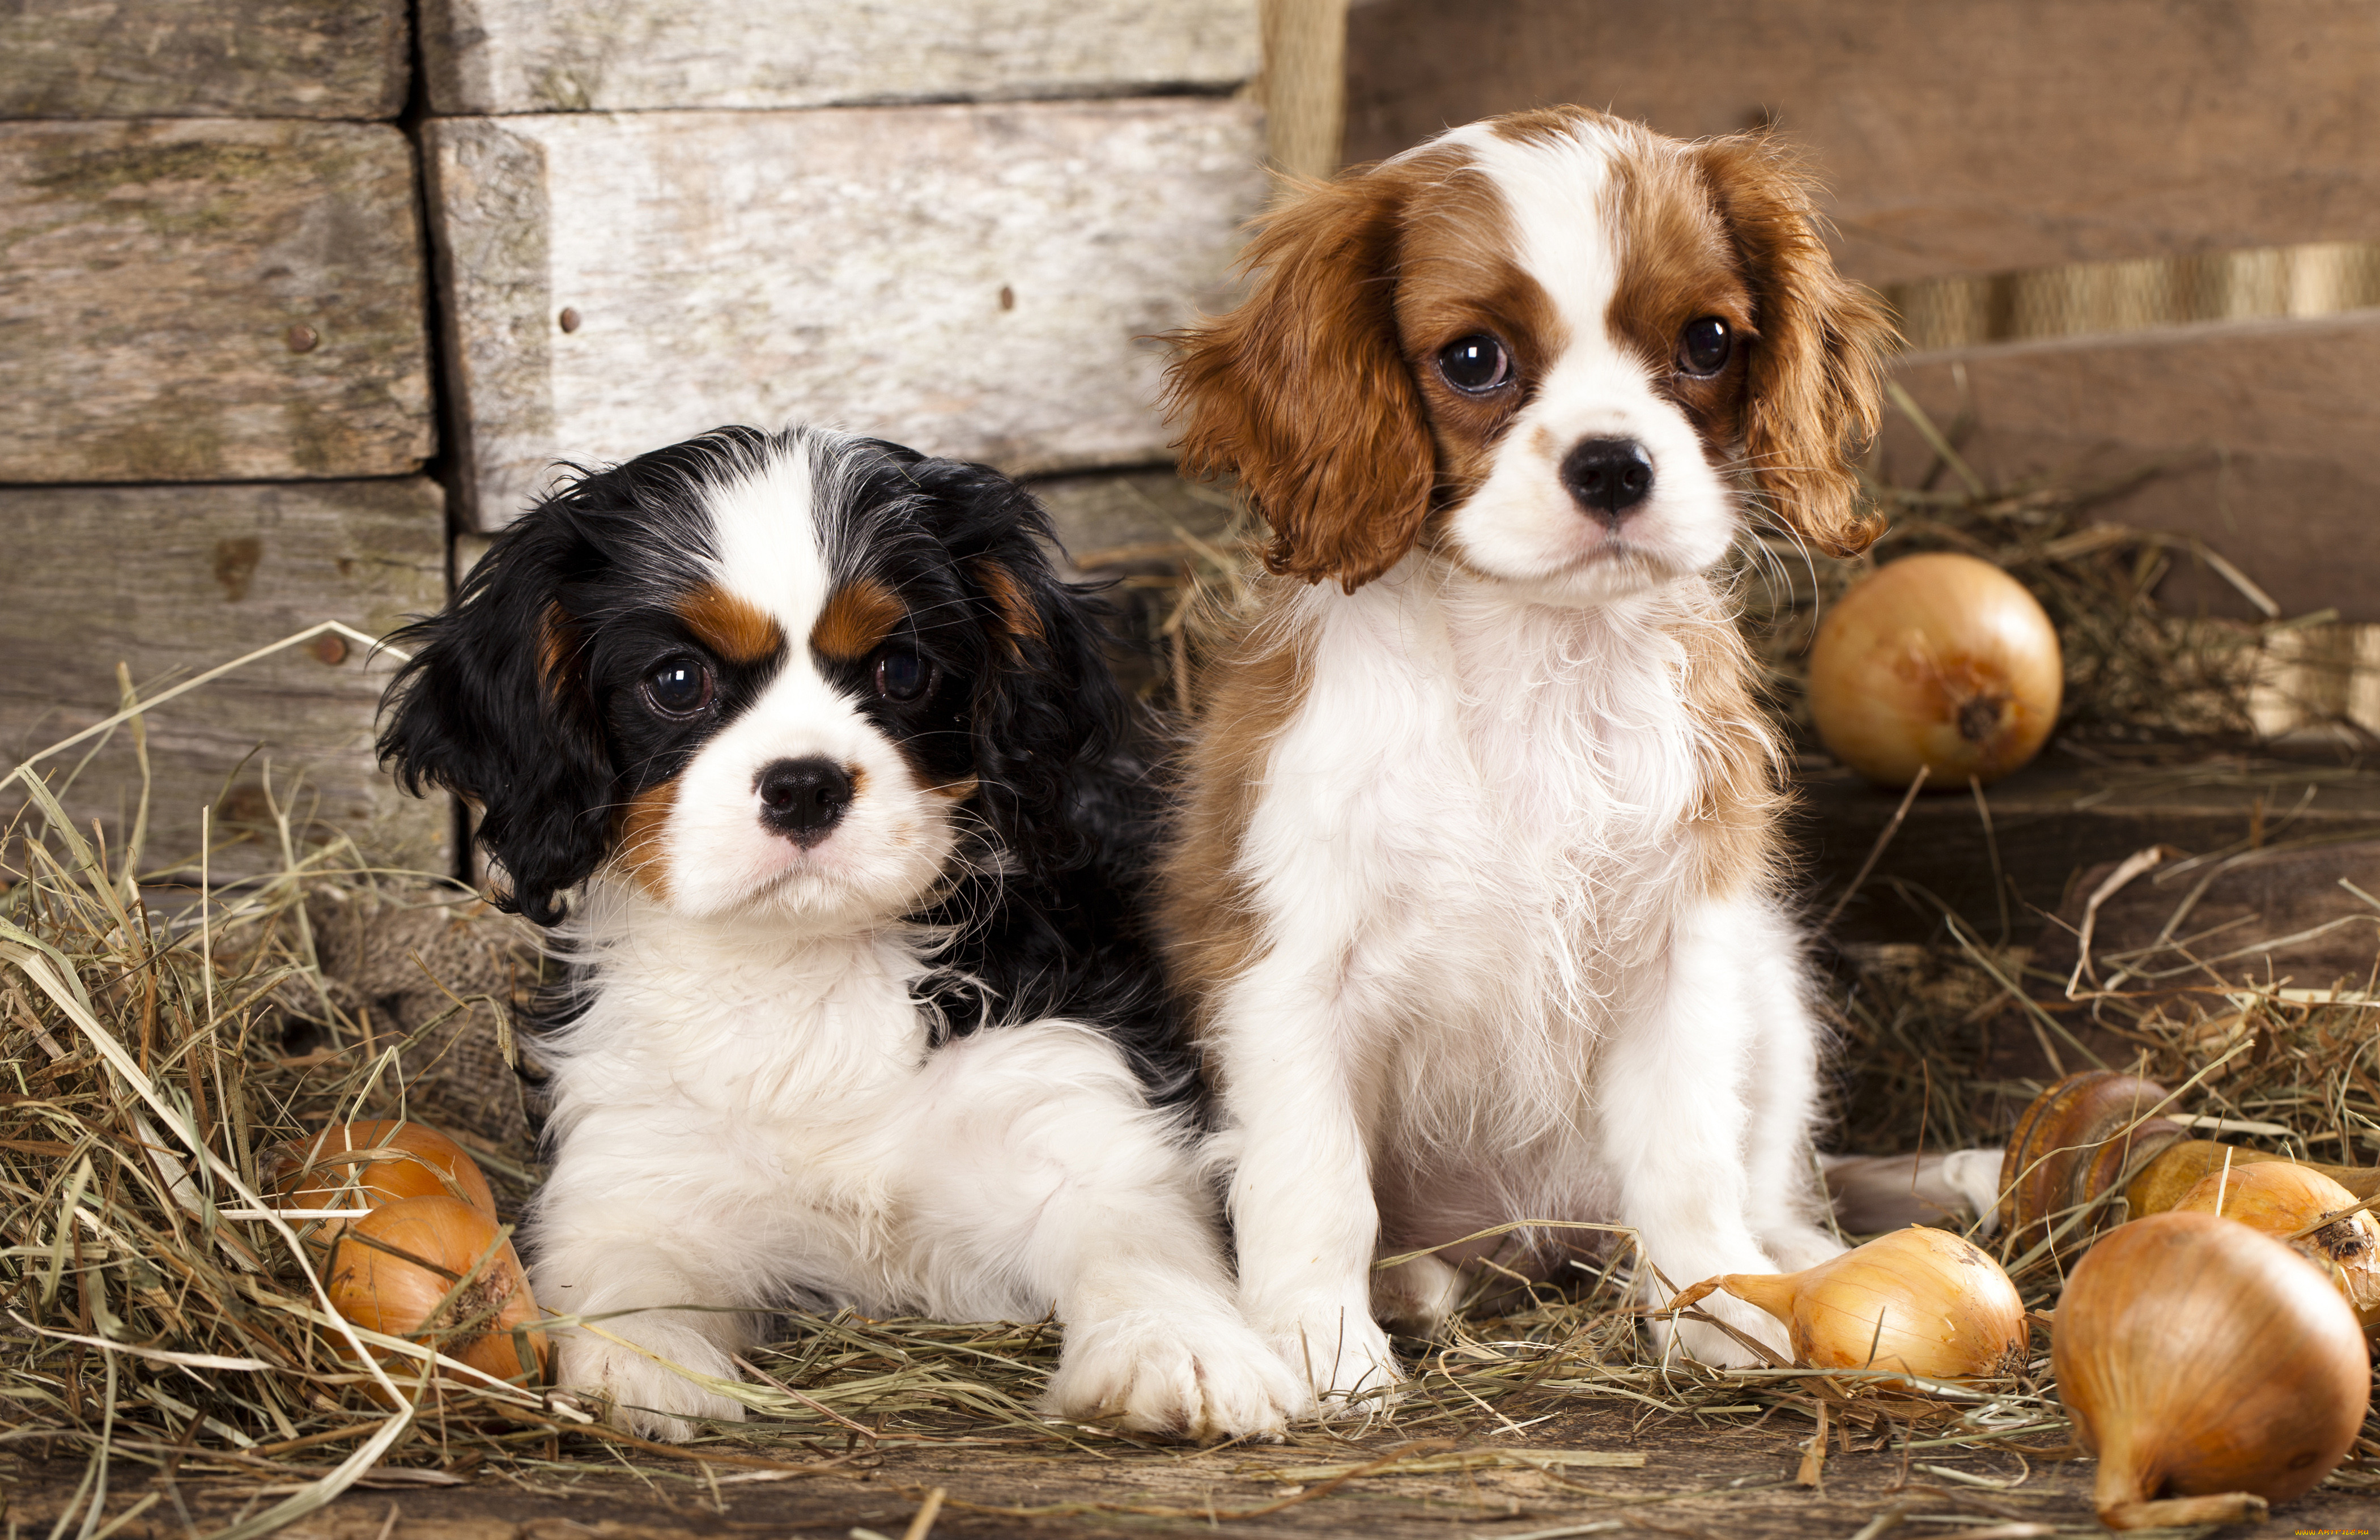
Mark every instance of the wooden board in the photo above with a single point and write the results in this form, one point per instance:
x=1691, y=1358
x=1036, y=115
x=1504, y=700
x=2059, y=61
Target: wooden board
x=2267, y=432
x=2050, y=822
x=226, y=58
x=1960, y=136
x=973, y=280
x=210, y=301
x=175, y=580
x=534, y=56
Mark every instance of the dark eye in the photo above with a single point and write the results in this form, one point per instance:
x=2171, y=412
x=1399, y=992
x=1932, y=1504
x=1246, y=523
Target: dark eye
x=1703, y=346
x=1475, y=365
x=901, y=675
x=679, y=688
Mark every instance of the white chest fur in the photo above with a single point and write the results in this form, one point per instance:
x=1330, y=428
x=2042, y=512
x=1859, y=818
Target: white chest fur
x=1480, y=812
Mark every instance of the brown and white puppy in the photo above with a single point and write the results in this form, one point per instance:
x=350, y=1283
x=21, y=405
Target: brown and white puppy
x=1476, y=882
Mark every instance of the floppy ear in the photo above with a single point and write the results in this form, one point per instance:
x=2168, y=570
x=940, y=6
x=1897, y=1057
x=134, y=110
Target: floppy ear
x=1303, y=392
x=1047, y=715
x=494, y=708
x=1818, y=363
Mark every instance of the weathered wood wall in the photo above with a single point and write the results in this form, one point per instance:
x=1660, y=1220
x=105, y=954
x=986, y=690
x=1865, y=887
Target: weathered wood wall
x=203, y=58
x=217, y=284
x=213, y=295
x=974, y=280
x=174, y=579
x=209, y=299
x=536, y=57
x=1979, y=137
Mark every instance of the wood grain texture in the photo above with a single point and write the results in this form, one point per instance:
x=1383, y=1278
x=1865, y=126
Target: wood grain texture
x=2265, y=433
x=490, y=57
x=219, y=58
x=2050, y=822
x=976, y=281
x=174, y=580
x=1960, y=136
x=209, y=299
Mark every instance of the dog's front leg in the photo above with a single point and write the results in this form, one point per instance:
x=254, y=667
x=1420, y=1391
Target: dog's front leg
x=1040, y=1177
x=607, y=1238
x=1674, y=1106
x=1301, y=1186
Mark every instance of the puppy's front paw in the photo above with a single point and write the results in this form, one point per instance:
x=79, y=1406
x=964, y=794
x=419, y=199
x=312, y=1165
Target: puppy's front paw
x=1339, y=1354
x=643, y=1397
x=1712, y=1346
x=1203, y=1377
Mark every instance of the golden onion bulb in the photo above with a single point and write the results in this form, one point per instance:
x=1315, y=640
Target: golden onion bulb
x=2280, y=1198
x=377, y=1278
x=1916, y=1302
x=2210, y=1369
x=367, y=1164
x=1940, y=661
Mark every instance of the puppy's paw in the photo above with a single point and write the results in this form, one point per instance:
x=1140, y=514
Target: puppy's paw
x=1794, y=1247
x=1339, y=1355
x=1200, y=1377
x=1417, y=1295
x=1708, y=1343
x=642, y=1396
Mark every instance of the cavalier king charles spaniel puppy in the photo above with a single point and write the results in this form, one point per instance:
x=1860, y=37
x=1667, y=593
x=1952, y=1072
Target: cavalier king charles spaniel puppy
x=825, y=762
x=1476, y=882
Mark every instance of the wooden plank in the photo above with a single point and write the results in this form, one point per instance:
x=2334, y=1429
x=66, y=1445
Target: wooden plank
x=2050, y=822
x=972, y=280
x=209, y=299
x=174, y=580
x=224, y=58
x=2266, y=429
x=485, y=56
x=1960, y=136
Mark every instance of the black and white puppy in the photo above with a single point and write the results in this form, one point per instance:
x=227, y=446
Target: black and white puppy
x=863, y=1017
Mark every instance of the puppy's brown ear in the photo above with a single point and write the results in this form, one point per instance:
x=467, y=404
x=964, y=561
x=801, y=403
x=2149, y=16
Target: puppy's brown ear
x=1303, y=392
x=1817, y=365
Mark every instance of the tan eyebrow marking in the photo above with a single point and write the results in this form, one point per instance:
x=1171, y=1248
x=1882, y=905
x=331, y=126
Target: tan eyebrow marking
x=735, y=629
x=858, y=617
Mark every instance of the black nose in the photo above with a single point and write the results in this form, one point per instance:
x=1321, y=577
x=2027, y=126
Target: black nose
x=1608, y=476
x=802, y=798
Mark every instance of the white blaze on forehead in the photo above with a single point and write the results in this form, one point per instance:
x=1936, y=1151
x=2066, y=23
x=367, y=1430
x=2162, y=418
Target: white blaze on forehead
x=1557, y=194
x=769, y=533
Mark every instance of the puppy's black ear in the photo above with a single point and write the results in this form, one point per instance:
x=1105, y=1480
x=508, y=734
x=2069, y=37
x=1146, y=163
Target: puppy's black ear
x=494, y=707
x=1047, y=717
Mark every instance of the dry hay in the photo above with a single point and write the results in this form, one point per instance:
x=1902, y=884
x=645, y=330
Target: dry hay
x=161, y=1319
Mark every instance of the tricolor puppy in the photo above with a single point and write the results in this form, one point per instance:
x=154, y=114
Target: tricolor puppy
x=1476, y=885
x=862, y=1013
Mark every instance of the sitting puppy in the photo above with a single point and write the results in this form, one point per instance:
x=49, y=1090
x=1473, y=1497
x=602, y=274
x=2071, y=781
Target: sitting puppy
x=861, y=1014
x=1475, y=879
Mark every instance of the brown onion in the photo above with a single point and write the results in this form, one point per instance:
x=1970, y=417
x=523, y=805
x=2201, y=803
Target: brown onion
x=1941, y=661
x=2280, y=1198
x=343, y=1167
x=1915, y=1302
x=378, y=1279
x=2210, y=1369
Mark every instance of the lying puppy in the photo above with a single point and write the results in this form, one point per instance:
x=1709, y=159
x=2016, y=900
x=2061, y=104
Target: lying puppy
x=861, y=1013
x=1476, y=878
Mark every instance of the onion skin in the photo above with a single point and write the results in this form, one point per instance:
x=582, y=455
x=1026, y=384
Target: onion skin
x=318, y=1173
x=2279, y=1198
x=1947, y=1309
x=389, y=1294
x=1940, y=661
x=2200, y=1360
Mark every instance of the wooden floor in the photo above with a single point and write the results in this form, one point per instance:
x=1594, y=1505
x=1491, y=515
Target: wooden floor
x=1710, y=1480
